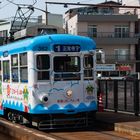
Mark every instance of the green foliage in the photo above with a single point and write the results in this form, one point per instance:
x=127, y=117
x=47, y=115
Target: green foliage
x=89, y=88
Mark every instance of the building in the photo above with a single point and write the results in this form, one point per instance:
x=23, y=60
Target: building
x=137, y=29
x=55, y=21
x=5, y=27
x=113, y=31
x=52, y=19
x=38, y=30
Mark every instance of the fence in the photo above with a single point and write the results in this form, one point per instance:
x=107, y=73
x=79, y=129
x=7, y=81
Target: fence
x=121, y=95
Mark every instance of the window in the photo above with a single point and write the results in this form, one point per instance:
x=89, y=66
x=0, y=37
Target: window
x=14, y=68
x=23, y=67
x=92, y=31
x=6, y=71
x=106, y=10
x=4, y=33
x=66, y=67
x=47, y=31
x=23, y=59
x=0, y=71
x=43, y=66
x=88, y=67
x=121, y=31
x=122, y=54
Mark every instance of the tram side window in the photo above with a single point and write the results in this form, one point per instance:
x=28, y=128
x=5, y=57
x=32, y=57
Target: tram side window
x=14, y=68
x=0, y=71
x=23, y=68
x=88, y=67
x=43, y=66
x=6, y=71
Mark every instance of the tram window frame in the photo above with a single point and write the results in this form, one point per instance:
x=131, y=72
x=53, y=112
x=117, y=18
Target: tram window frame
x=65, y=70
x=14, y=68
x=23, y=67
x=0, y=71
x=6, y=64
x=88, y=68
x=43, y=73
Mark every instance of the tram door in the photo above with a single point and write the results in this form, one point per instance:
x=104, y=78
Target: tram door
x=67, y=77
x=1, y=108
x=88, y=77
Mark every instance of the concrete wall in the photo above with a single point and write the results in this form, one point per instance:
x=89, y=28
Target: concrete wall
x=53, y=19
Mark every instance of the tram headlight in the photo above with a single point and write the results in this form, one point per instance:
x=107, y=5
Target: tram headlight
x=69, y=93
x=45, y=99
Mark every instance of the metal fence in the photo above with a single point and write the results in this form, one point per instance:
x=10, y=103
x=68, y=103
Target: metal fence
x=120, y=95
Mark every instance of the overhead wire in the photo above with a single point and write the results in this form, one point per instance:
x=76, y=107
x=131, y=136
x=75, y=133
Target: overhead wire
x=4, y=5
x=11, y=1
x=85, y=1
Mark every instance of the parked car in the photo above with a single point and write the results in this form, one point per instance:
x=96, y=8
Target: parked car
x=131, y=77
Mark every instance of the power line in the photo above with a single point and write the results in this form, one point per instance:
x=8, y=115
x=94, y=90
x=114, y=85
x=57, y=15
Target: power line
x=34, y=2
x=94, y=5
x=85, y=1
x=5, y=4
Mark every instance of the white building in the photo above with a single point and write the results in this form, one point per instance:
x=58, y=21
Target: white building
x=131, y=2
x=53, y=19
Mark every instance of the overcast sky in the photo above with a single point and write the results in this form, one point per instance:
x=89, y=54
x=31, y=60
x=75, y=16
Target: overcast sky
x=8, y=9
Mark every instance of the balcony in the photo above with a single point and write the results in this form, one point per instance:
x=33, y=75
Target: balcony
x=112, y=38
x=116, y=59
x=107, y=18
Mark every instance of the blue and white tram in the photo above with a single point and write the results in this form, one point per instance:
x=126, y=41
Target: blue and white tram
x=49, y=80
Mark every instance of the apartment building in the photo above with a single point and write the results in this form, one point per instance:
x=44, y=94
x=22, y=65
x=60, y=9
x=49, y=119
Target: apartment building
x=137, y=29
x=112, y=31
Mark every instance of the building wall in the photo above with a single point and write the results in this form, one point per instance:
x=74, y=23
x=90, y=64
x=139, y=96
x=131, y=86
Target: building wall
x=72, y=26
x=136, y=3
x=106, y=27
x=132, y=3
x=53, y=19
x=109, y=50
x=5, y=26
x=102, y=27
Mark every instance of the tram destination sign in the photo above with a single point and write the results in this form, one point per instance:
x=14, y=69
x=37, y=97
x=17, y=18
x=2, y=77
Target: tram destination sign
x=66, y=48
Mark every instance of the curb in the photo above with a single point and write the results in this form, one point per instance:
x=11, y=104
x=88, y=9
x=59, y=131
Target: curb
x=21, y=132
x=128, y=128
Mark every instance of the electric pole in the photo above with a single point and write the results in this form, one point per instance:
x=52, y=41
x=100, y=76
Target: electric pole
x=46, y=13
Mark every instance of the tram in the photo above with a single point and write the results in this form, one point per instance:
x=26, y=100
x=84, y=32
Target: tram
x=49, y=81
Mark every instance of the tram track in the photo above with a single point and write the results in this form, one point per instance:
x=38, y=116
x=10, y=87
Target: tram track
x=90, y=135
x=25, y=133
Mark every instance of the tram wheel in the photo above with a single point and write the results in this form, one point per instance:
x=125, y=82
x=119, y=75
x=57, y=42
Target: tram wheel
x=10, y=116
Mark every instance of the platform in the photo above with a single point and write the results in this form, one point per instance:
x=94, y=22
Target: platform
x=120, y=122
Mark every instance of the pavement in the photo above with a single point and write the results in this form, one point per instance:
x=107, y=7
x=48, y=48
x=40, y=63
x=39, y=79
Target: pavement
x=106, y=120
x=119, y=122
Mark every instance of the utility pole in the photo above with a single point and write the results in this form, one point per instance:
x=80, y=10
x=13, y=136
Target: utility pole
x=46, y=13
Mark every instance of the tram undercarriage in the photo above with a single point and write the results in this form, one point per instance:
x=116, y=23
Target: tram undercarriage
x=52, y=121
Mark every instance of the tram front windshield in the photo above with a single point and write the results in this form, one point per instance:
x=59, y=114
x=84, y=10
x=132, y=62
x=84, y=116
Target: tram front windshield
x=66, y=68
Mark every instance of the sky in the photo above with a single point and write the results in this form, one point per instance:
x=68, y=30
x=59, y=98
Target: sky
x=8, y=7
